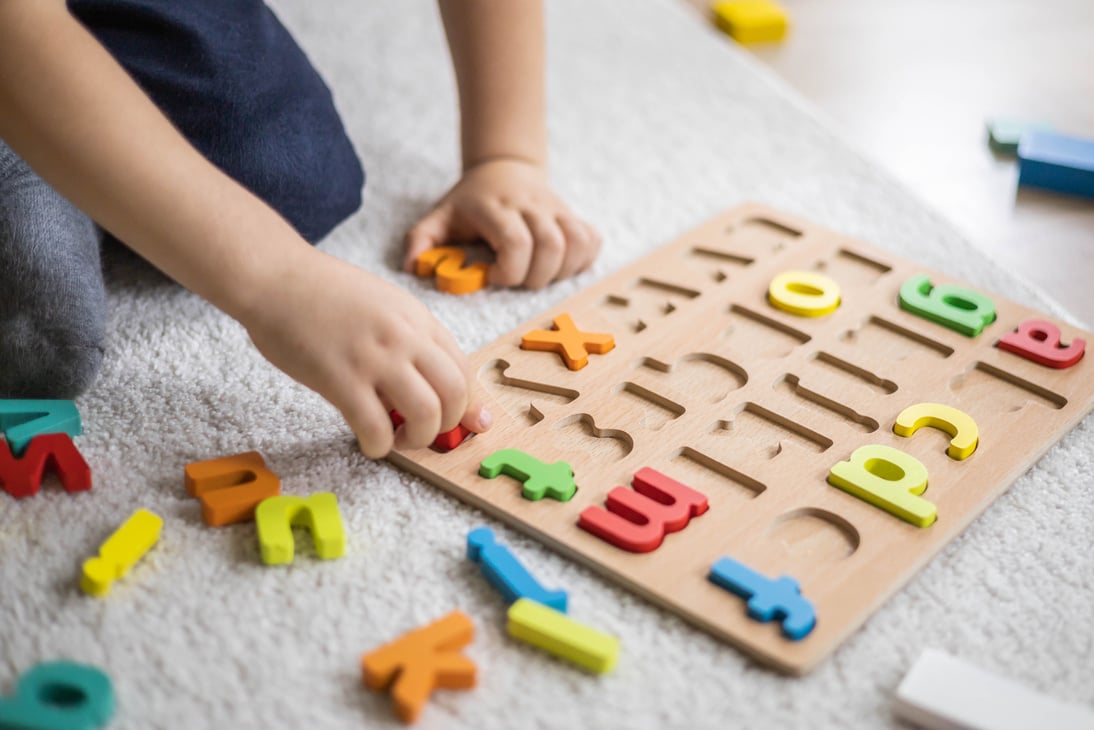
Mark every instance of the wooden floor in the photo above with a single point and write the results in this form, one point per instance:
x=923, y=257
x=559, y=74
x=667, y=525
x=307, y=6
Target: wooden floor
x=911, y=85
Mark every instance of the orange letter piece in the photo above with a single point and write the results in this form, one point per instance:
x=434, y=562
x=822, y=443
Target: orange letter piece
x=420, y=661
x=446, y=263
x=570, y=342
x=231, y=487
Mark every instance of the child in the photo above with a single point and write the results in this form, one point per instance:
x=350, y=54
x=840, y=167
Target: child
x=262, y=165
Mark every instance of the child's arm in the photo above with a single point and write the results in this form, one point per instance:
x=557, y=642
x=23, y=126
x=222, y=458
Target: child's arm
x=75, y=116
x=504, y=195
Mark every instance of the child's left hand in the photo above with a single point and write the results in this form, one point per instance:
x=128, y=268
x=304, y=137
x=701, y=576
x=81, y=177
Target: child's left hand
x=509, y=204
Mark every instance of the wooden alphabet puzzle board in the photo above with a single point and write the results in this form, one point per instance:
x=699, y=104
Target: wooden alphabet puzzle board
x=713, y=386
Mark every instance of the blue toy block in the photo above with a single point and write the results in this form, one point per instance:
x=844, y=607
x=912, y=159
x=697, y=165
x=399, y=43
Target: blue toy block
x=506, y=573
x=767, y=599
x=59, y=696
x=22, y=420
x=1004, y=134
x=1057, y=162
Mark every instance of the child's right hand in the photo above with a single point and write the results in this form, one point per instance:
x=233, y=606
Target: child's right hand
x=368, y=347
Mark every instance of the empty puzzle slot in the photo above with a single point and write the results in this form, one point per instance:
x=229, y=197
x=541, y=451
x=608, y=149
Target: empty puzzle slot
x=792, y=384
x=579, y=432
x=702, y=465
x=666, y=287
x=515, y=394
x=882, y=335
x=723, y=256
x=700, y=372
x=816, y=534
x=656, y=410
x=493, y=373
x=981, y=382
x=760, y=335
x=649, y=300
x=842, y=366
x=766, y=431
x=850, y=268
x=760, y=234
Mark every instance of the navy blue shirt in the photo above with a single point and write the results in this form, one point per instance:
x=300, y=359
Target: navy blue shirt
x=233, y=80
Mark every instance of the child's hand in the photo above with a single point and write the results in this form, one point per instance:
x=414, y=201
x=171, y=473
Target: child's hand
x=510, y=205
x=367, y=347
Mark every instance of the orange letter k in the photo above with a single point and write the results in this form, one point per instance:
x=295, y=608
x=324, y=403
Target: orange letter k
x=420, y=661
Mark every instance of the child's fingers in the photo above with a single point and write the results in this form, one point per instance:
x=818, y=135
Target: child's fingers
x=548, y=251
x=477, y=418
x=507, y=233
x=417, y=402
x=427, y=233
x=450, y=384
x=581, y=246
x=369, y=420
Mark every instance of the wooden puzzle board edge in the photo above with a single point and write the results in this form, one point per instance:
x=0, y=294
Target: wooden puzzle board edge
x=713, y=386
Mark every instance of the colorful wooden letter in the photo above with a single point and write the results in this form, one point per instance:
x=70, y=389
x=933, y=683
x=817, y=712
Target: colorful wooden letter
x=751, y=21
x=1057, y=162
x=886, y=478
x=804, y=293
x=956, y=307
x=570, y=342
x=120, y=552
x=556, y=633
x=957, y=424
x=1039, y=341
x=637, y=520
x=22, y=477
x=767, y=599
x=22, y=420
x=421, y=661
x=446, y=262
x=230, y=487
x=59, y=696
x=506, y=573
x=540, y=480
x=276, y=516
x=444, y=442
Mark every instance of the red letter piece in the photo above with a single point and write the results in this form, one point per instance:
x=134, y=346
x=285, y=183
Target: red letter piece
x=22, y=477
x=637, y=520
x=444, y=442
x=1039, y=341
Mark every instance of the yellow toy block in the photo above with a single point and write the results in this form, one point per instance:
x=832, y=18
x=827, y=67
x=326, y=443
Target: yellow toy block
x=276, y=516
x=120, y=552
x=804, y=293
x=558, y=634
x=751, y=21
x=958, y=424
x=886, y=478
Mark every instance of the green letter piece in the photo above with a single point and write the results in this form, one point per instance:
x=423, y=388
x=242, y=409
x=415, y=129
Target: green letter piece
x=962, y=310
x=551, y=480
x=22, y=420
x=59, y=696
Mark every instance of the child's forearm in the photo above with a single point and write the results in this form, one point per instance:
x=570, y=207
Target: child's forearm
x=498, y=53
x=78, y=119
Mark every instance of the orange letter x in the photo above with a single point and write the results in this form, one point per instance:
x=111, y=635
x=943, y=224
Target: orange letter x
x=421, y=661
x=570, y=342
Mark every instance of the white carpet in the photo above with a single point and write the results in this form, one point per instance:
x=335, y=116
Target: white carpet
x=657, y=124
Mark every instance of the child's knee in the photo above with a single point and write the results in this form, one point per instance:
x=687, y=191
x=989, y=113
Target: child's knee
x=314, y=182
x=40, y=363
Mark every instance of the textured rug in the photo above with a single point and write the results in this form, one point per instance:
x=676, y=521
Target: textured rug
x=657, y=123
